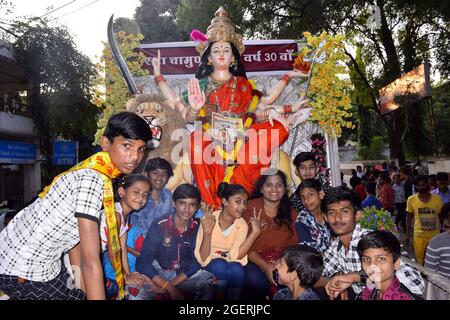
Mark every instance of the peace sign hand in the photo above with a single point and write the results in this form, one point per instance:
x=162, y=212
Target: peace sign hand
x=255, y=221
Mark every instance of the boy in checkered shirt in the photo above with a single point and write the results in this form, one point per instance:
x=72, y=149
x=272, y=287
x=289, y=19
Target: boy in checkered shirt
x=66, y=219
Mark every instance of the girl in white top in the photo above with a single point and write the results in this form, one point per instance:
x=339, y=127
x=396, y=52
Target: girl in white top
x=222, y=247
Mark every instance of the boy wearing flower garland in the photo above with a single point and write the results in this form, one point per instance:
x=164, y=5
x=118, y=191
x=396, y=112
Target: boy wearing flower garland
x=65, y=218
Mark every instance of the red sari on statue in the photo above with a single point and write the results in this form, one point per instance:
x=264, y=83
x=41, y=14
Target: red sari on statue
x=232, y=98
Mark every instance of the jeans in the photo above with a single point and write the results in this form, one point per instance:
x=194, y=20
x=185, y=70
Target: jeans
x=229, y=275
x=256, y=283
x=401, y=215
x=199, y=285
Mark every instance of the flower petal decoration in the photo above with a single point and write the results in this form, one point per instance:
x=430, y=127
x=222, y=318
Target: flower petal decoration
x=198, y=36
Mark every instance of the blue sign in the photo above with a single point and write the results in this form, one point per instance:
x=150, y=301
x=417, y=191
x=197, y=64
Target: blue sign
x=64, y=153
x=17, y=152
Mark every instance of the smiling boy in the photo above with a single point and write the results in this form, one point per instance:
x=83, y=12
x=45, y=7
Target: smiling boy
x=65, y=218
x=380, y=259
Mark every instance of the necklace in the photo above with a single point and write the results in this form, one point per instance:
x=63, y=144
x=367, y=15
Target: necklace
x=216, y=84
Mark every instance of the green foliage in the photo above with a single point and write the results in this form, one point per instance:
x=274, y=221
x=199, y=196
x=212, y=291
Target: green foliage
x=111, y=92
x=441, y=107
x=62, y=78
x=416, y=136
x=374, y=151
x=157, y=21
x=203, y=11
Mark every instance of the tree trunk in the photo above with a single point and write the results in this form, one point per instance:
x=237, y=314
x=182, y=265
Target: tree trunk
x=392, y=71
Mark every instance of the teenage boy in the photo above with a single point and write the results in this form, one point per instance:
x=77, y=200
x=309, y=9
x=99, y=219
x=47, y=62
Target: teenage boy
x=380, y=259
x=65, y=218
x=342, y=264
x=423, y=209
x=312, y=230
x=306, y=168
x=299, y=269
x=159, y=203
x=167, y=256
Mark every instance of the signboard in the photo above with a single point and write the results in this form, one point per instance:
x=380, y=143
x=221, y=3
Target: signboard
x=261, y=57
x=65, y=153
x=17, y=152
x=415, y=82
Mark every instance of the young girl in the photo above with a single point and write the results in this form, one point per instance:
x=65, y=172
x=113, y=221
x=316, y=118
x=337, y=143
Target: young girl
x=131, y=195
x=222, y=247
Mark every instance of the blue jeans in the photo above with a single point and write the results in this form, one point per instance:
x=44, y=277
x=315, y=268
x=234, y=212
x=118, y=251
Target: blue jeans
x=199, y=285
x=256, y=283
x=229, y=275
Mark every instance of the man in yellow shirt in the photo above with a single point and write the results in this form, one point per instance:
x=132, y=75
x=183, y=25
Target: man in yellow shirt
x=423, y=208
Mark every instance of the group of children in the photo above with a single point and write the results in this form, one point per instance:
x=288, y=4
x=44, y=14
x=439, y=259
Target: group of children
x=147, y=243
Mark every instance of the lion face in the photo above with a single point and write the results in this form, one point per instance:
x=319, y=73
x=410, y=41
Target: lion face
x=152, y=112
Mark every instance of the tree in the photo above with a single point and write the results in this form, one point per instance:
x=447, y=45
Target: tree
x=112, y=93
x=157, y=20
x=62, y=79
x=406, y=33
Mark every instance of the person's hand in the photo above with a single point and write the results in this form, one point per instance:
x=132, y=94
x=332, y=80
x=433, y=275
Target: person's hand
x=156, y=62
x=268, y=271
x=195, y=95
x=274, y=115
x=297, y=74
x=255, y=221
x=298, y=117
x=208, y=221
x=302, y=102
x=136, y=279
x=175, y=294
x=337, y=284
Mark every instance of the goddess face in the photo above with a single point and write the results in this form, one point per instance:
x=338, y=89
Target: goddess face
x=221, y=55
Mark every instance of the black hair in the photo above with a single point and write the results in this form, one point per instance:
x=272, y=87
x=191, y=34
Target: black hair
x=186, y=191
x=309, y=183
x=127, y=181
x=307, y=262
x=338, y=194
x=380, y=239
x=127, y=125
x=205, y=69
x=283, y=216
x=159, y=163
x=420, y=178
x=225, y=190
x=371, y=187
x=304, y=156
x=442, y=176
x=354, y=173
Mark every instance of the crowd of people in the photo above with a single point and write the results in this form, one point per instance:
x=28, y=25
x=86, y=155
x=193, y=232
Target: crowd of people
x=236, y=232
x=420, y=204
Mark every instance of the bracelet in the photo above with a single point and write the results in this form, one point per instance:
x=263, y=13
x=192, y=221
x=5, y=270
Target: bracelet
x=165, y=284
x=159, y=78
x=286, y=78
x=287, y=108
